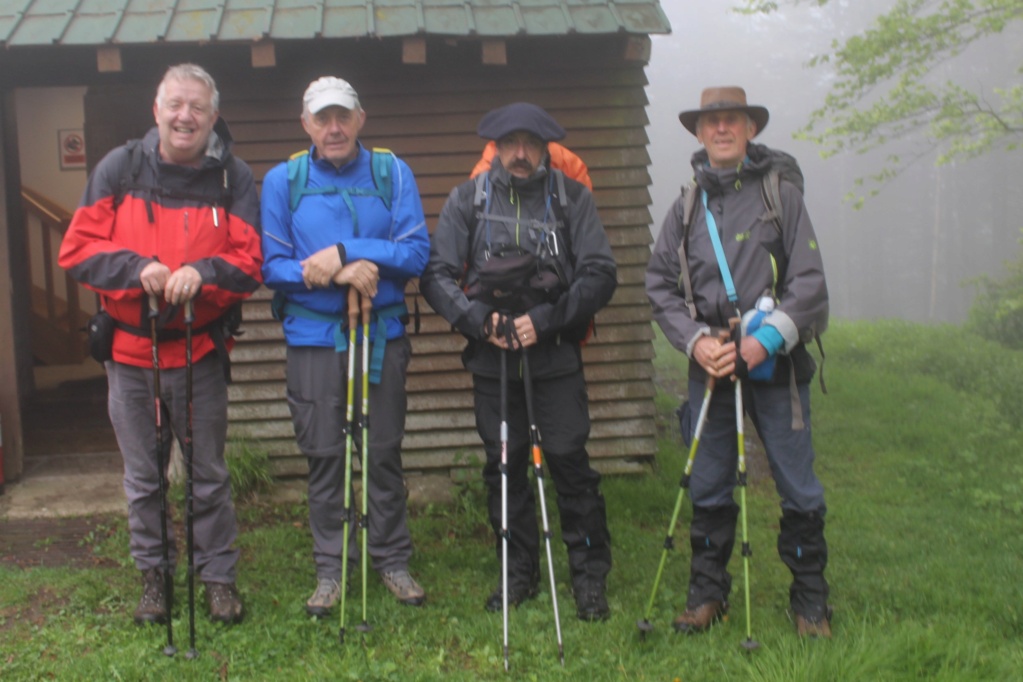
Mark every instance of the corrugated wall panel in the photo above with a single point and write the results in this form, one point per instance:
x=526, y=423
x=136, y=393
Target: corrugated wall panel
x=428, y=116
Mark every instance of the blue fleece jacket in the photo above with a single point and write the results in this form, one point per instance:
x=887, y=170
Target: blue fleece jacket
x=396, y=240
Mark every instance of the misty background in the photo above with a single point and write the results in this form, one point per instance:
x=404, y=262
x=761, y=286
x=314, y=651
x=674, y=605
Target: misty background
x=911, y=250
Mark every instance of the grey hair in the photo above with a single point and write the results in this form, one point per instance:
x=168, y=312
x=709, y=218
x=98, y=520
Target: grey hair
x=189, y=72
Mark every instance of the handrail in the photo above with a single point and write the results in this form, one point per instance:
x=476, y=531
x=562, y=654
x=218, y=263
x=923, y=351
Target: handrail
x=54, y=220
x=42, y=206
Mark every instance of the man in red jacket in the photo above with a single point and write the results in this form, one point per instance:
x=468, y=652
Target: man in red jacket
x=173, y=217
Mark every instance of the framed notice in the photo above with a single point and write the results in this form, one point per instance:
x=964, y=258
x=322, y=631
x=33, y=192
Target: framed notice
x=72, y=149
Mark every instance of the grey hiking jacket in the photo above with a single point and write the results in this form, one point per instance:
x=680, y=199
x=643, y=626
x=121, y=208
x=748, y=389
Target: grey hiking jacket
x=584, y=253
x=787, y=264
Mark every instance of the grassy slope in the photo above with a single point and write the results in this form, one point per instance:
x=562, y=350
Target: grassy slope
x=917, y=446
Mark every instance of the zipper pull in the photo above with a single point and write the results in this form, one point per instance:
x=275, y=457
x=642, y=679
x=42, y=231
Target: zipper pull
x=216, y=220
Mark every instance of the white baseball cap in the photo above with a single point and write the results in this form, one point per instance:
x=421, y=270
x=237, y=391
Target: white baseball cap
x=330, y=91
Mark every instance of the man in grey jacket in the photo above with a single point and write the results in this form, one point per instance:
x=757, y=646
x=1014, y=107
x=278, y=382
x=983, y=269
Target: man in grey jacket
x=773, y=263
x=522, y=206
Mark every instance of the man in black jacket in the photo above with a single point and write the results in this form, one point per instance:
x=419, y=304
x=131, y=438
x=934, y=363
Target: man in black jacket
x=521, y=206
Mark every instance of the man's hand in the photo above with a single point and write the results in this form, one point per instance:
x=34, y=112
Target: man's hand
x=154, y=278
x=525, y=331
x=320, y=268
x=717, y=358
x=183, y=285
x=364, y=275
x=752, y=352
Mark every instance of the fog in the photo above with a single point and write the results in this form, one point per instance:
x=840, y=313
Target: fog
x=910, y=251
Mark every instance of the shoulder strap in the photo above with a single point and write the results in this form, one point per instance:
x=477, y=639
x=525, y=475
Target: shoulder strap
x=689, y=195
x=382, y=160
x=770, y=190
x=298, y=176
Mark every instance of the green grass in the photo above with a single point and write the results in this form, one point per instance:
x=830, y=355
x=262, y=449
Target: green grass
x=917, y=446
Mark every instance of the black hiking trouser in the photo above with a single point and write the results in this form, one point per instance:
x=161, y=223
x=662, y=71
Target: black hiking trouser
x=561, y=410
x=802, y=547
x=711, y=539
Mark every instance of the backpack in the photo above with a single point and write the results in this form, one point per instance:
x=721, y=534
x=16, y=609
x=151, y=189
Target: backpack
x=526, y=279
x=381, y=161
x=222, y=199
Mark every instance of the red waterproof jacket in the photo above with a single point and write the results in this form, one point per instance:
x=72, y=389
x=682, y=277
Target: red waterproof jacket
x=135, y=209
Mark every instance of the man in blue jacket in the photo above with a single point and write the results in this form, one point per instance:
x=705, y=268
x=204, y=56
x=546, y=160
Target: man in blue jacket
x=343, y=216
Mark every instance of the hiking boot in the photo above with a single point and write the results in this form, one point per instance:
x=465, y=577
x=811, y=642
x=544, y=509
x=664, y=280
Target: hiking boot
x=152, y=606
x=404, y=587
x=518, y=592
x=224, y=603
x=700, y=618
x=590, y=602
x=328, y=591
x=814, y=628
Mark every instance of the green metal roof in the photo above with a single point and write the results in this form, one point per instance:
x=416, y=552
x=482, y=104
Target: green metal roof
x=125, y=22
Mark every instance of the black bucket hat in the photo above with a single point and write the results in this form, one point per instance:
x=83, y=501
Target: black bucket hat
x=499, y=122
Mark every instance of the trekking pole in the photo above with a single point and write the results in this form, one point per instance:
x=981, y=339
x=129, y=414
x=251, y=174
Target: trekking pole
x=189, y=500
x=644, y=624
x=161, y=465
x=749, y=644
x=534, y=438
x=366, y=305
x=504, y=495
x=353, y=322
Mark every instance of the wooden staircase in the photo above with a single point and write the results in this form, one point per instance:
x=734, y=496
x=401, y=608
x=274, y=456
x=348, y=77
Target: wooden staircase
x=57, y=319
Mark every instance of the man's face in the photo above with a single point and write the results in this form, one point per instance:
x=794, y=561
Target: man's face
x=724, y=134
x=335, y=132
x=185, y=116
x=521, y=153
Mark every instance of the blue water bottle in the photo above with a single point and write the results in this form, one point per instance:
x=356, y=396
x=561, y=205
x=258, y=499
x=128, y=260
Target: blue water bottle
x=751, y=322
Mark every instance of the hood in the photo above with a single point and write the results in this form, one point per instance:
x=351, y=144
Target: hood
x=715, y=180
x=218, y=148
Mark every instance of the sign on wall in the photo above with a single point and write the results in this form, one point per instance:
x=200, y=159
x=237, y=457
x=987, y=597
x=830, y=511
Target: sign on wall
x=72, y=149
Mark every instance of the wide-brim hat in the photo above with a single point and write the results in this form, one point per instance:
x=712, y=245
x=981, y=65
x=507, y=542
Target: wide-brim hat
x=725, y=98
x=508, y=119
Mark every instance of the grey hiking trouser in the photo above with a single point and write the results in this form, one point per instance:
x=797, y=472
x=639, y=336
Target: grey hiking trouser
x=790, y=453
x=132, y=414
x=317, y=396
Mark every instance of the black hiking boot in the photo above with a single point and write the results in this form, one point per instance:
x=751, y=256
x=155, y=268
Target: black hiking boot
x=518, y=592
x=152, y=607
x=590, y=601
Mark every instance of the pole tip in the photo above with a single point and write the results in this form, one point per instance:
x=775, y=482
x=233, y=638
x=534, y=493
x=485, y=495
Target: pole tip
x=170, y=650
x=192, y=654
x=750, y=644
x=644, y=626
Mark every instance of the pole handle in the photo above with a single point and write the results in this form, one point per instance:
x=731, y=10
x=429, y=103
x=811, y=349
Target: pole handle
x=365, y=307
x=353, y=307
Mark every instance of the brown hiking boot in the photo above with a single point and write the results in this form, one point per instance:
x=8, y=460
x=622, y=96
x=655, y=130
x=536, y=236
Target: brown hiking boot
x=152, y=607
x=404, y=587
x=814, y=628
x=224, y=603
x=700, y=618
